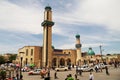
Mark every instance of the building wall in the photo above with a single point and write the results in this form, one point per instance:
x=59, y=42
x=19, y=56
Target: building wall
x=33, y=55
x=30, y=54
x=38, y=56
x=67, y=55
x=73, y=55
x=64, y=57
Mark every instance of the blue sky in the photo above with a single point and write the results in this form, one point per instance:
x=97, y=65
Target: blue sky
x=97, y=22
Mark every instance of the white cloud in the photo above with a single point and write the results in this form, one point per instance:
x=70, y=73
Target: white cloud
x=101, y=38
x=9, y=49
x=100, y=12
x=67, y=46
x=93, y=45
x=68, y=5
x=57, y=29
x=16, y=18
x=104, y=12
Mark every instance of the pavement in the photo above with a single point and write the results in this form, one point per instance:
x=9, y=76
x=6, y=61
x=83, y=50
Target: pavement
x=114, y=75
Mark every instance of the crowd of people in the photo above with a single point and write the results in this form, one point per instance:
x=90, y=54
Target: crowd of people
x=45, y=73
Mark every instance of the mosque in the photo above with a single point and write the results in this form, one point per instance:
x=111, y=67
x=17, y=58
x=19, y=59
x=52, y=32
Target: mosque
x=47, y=55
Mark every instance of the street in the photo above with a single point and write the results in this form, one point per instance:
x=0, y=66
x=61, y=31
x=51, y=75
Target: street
x=114, y=75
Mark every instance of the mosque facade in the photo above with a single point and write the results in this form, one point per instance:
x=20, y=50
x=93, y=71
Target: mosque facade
x=48, y=56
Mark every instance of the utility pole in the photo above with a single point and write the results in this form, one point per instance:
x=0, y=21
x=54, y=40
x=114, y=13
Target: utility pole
x=101, y=52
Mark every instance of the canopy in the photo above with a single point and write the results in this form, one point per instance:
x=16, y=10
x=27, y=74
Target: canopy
x=32, y=65
x=17, y=65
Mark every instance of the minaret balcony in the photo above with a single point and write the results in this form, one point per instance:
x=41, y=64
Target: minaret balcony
x=47, y=23
x=78, y=45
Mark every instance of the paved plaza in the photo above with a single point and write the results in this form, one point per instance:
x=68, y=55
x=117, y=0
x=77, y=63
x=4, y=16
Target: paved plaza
x=114, y=75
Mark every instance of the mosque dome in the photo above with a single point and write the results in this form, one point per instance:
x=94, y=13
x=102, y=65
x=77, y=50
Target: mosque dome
x=53, y=47
x=91, y=52
x=48, y=8
x=77, y=36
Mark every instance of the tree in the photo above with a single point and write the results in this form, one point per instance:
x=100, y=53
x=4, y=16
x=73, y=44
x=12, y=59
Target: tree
x=2, y=60
x=12, y=57
x=2, y=74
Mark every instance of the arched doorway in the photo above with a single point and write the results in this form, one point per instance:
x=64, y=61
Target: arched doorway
x=62, y=62
x=68, y=61
x=54, y=62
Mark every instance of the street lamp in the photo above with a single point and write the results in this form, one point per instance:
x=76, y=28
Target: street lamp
x=21, y=58
x=101, y=52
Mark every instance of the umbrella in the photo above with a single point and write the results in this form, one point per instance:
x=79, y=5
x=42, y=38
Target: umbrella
x=32, y=65
x=17, y=65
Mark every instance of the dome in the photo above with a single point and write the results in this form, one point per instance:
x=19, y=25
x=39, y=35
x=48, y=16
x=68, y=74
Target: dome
x=77, y=36
x=91, y=52
x=48, y=8
x=53, y=47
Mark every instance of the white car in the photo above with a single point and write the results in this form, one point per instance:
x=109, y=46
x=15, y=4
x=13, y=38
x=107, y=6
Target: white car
x=61, y=69
x=101, y=65
x=85, y=68
x=35, y=72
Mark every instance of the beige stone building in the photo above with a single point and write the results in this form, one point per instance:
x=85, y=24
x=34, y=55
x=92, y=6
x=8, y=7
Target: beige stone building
x=64, y=57
x=112, y=57
x=30, y=55
x=33, y=55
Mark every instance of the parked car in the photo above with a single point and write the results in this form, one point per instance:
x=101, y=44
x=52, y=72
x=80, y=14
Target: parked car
x=86, y=68
x=101, y=65
x=61, y=69
x=25, y=69
x=34, y=72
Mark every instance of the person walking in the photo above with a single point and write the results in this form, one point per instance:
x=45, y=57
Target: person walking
x=76, y=69
x=75, y=76
x=48, y=73
x=17, y=76
x=55, y=75
x=91, y=77
x=96, y=68
x=106, y=68
x=80, y=72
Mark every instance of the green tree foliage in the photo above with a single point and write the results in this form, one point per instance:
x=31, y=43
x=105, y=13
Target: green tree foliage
x=12, y=57
x=2, y=60
x=2, y=75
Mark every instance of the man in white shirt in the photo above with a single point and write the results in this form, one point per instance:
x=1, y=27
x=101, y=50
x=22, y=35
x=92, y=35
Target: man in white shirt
x=91, y=77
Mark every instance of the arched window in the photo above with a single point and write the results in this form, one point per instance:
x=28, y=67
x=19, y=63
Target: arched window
x=31, y=52
x=68, y=52
x=64, y=52
x=31, y=60
x=26, y=52
x=54, y=62
x=26, y=61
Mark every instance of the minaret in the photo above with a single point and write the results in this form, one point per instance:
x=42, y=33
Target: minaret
x=47, y=37
x=78, y=47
